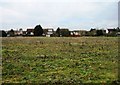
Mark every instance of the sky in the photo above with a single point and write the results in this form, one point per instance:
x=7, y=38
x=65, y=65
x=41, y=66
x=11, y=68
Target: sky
x=72, y=14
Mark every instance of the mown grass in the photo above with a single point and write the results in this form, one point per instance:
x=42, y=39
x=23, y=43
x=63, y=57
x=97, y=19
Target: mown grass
x=50, y=60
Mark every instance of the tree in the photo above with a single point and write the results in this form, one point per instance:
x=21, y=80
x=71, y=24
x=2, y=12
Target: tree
x=38, y=31
x=99, y=33
x=58, y=32
x=3, y=34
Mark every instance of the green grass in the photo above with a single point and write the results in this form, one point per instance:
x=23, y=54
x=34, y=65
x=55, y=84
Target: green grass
x=44, y=60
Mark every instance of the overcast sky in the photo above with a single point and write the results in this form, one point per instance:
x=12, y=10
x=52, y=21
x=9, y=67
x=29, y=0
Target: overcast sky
x=72, y=14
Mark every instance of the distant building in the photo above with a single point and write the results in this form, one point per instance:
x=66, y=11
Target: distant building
x=97, y=32
x=30, y=31
x=48, y=32
x=110, y=31
x=19, y=32
x=93, y=32
x=78, y=33
x=114, y=32
x=64, y=32
x=16, y=32
x=24, y=33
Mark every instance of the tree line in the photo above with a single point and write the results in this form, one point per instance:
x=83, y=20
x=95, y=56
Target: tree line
x=39, y=31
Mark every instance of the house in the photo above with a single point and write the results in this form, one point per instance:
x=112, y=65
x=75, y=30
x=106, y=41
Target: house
x=20, y=32
x=48, y=32
x=16, y=32
x=30, y=31
x=24, y=33
x=64, y=32
x=114, y=32
x=97, y=32
x=93, y=32
x=104, y=32
x=78, y=33
x=110, y=31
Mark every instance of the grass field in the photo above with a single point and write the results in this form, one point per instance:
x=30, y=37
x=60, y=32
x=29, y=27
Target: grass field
x=56, y=60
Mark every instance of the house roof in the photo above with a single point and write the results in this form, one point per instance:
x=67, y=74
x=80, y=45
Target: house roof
x=48, y=31
x=79, y=30
x=64, y=29
x=112, y=29
x=30, y=30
